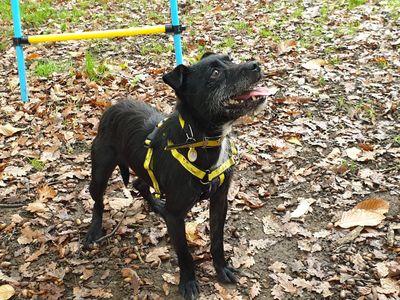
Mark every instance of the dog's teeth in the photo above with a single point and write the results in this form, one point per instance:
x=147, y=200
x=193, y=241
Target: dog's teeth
x=254, y=98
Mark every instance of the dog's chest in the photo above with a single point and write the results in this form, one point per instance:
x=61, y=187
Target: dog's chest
x=223, y=153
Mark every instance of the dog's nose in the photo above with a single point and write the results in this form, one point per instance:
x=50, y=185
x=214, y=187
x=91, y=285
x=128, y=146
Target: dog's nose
x=254, y=66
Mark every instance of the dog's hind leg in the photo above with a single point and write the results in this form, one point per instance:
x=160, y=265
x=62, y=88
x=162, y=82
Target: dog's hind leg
x=103, y=164
x=157, y=205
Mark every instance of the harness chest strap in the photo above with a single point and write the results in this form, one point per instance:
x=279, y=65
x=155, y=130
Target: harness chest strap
x=205, y=176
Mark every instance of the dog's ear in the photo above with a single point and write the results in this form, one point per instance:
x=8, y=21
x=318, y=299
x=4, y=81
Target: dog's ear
x=207, y=54
x=175, y=78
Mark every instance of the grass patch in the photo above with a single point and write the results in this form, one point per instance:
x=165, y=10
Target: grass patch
x=37, y=164
x=156, y=48
x=228, y=42
x=94, y=69
x=354, y=3
x=266, y=33
x=5, y=10
x=396, y=139
x=35, y=14
x=2, y=46
x=241, y=26
x=298, y=12
x=45, y=68
x=394, y=6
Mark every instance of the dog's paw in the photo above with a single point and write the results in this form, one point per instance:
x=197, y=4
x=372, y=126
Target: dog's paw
x=189, y=289
x=92, y=236
x=226, y=275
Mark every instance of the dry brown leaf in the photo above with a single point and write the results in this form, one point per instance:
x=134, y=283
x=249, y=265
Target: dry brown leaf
x=389, y=286
x=294, y=140
x=9, y=130
x=101, y=293
x=46, y=193
x=255, y=290
x=6, y=291
x=35, y=255
x=314, y=64
x=36, y=207
x=87, y=273
x=6, y=278
x=286, y=46
x=165, y=288
x=170, y=278
x=226, y=294
x=277, y=267
x=32, y=56
x=376, y=205
x=156, y=254
x=359, y=217
x=369, y=212
x=192, y=234
x=302, y=208
x=28, y=235
x=119, y=203
x=353, y=153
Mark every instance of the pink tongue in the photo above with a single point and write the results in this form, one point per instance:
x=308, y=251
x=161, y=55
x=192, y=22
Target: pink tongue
x=260, y=91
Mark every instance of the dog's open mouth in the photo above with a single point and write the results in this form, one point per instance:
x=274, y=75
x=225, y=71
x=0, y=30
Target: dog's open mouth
x=250, y=98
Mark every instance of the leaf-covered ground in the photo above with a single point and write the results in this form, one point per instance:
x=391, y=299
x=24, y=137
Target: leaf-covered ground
x=329, y=139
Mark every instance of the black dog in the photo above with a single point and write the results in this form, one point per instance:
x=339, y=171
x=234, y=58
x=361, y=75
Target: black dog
x=184, y=158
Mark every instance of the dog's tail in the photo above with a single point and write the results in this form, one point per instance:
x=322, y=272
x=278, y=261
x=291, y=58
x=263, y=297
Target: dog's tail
x=124, y=173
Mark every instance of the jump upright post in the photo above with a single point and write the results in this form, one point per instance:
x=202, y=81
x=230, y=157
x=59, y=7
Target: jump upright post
x=19, y=39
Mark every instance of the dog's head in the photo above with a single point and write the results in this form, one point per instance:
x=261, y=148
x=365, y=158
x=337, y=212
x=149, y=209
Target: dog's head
x=217, y=89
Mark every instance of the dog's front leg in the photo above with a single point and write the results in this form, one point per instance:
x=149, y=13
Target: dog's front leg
x=218, y=210
x=188, y=285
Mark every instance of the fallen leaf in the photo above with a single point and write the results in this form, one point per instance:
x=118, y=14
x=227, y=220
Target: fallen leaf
x=302, y=208
x=32, y=56
x=28, y=235
x=255, y=290
x=170, y=278
x=192, y=234
x=35, y=255
x=46, y=193
x=119, y=203
x=36, y=207
x=6, y=291
x=314, y=64
x=389, y=286
x=353, y=153
x=87, y=273
x=6, y=278
x=286, y=46
x=277, y=267
x=376, y=205
x=156, y=254
x=294, y=140
x=369, y=212
x=9, y=130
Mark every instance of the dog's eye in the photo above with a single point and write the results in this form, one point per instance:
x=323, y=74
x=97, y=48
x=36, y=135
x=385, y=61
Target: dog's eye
x=215, y=73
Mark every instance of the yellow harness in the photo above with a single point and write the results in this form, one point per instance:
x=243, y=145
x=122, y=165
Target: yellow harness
x=206, y=177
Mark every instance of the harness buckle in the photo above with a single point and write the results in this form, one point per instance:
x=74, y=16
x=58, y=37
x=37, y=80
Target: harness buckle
x=205, y=178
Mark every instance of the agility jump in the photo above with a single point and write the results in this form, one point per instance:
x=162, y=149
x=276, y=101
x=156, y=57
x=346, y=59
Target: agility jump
x=19, y=39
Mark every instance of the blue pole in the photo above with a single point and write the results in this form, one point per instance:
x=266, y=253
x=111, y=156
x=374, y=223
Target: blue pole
x=19, y=50
x=177, y=36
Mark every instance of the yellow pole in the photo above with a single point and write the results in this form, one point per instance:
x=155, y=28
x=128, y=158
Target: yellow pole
x=32, y=39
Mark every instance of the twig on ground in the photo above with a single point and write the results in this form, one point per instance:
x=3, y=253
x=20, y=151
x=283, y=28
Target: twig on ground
x=116, y=227
x=11, y=205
